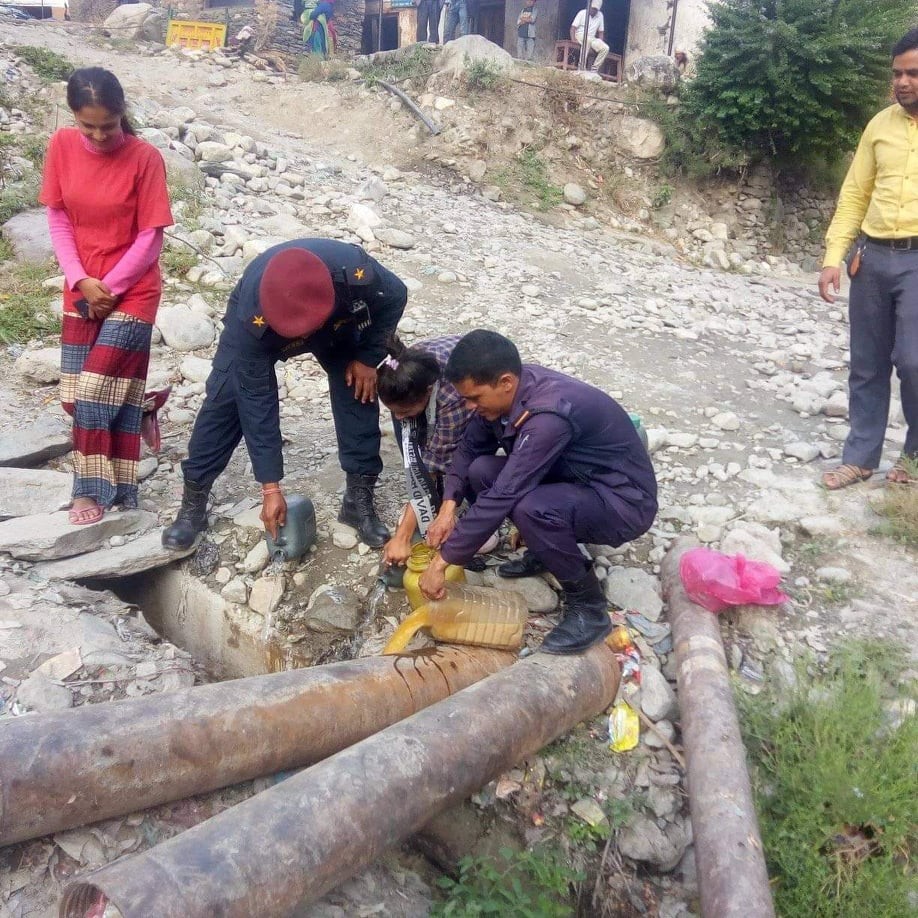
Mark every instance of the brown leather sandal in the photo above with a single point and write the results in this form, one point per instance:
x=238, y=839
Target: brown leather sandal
x=900, y=473
x=844, y=476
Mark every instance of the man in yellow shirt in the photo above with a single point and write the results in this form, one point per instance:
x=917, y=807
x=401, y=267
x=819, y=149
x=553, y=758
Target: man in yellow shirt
x=878, y=207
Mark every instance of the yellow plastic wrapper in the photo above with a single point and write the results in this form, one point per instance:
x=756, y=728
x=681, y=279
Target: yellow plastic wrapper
x=624, y=727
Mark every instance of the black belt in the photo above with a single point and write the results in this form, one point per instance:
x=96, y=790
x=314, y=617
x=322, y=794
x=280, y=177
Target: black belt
x=901, y=245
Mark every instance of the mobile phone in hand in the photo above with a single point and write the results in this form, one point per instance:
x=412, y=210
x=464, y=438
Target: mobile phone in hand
x=82, y=307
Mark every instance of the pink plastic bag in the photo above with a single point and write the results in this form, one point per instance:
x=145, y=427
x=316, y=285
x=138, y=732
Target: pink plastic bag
x=716, y=581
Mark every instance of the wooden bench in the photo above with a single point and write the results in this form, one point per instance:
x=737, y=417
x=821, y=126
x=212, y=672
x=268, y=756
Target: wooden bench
x=567, y=57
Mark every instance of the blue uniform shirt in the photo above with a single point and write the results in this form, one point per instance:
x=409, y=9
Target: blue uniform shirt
x=369, y=301
x=559, y=429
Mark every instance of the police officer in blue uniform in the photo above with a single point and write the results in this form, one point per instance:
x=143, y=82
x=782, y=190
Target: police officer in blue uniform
x=574, y=471
x=321, y=296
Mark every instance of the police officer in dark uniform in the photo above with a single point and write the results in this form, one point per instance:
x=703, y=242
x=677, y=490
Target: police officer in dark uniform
x=574, y=471
x=309, y=295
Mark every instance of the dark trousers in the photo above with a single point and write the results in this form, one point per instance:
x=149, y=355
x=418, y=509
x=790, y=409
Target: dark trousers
x=218, y=427
x=456, y=15
x=553, y=517
x=429, y=21
x=883, y=310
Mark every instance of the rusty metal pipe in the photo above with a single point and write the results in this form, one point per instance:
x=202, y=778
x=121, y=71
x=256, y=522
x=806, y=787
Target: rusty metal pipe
x=732, y=877
x=285, y=847
x=66, y=769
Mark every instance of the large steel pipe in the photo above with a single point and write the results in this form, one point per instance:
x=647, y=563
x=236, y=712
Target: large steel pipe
x=275, y=852
x=732, y=877
x=63, y=770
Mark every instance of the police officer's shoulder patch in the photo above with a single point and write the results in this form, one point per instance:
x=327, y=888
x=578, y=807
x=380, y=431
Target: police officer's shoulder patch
x=361, y=275
x=257, y=325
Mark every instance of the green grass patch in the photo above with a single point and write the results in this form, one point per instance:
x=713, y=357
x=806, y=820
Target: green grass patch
x=416, y=65
x=24, y=312
x=518, y=884
x=48, y=65
x=526, y=181
x=899, y=509
x=18, y=196
x=483, y=75
x=836, y=782
x=314, y=69
x=177, y=263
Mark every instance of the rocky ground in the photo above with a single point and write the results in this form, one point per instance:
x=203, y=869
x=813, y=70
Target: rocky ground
x=739, y=377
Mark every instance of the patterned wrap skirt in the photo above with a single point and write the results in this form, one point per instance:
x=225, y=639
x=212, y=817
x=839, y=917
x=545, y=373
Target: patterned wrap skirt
x=103, y=376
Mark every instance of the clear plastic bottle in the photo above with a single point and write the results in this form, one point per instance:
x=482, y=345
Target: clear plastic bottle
x=467, y=615
x=421, y=556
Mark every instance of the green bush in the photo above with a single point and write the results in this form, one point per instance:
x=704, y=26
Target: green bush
x=793, y=79
x=836, y=782
x=416, y=65
x=482, y=75
x=518, y=884
x=49, y=65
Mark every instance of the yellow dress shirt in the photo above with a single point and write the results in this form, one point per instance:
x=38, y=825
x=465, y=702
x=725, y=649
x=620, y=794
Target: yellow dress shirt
x=879, y=196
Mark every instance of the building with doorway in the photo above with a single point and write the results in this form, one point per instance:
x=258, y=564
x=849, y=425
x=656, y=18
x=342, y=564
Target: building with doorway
x=634, y=28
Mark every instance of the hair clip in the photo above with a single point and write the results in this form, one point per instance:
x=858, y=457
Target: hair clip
x=388, y=361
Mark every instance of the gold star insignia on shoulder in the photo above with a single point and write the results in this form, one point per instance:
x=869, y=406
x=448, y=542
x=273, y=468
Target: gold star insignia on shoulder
x=358, y=274
x=259, y=321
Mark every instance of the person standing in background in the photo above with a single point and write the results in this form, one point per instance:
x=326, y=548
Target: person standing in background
x=428, y=21
x=108, y=202
x=457, y=13
x=594, y=31
x=526, y=31
x=878, y=212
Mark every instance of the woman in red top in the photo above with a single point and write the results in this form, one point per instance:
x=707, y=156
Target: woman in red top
x=105, y=190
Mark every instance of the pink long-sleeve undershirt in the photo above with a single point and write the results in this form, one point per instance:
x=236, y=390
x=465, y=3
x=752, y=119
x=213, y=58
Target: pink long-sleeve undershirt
x=132, y=265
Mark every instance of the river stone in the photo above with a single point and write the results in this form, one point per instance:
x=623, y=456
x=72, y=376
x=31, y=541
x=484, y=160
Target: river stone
x=658, y=700
x=41, y=365
x=574, y=194
x=833, y=574
x=49, y=536
x=257, y=559
x=142, y=554
x=195, y=369
x=363, y=215
x=235, y=591
x=27, y=491
x=209, y=151
x=266, y=594
x=644, y=840
x=756, y=542
x=38, y=693
x=657, y=71
x=183, y=329
x=639, y=137
x=132, y=21
x=28, y=234
x=537, y=594
x=459, y=54
x=395, y=238
x=35, y=445
x=333, y=610
x=635, y=590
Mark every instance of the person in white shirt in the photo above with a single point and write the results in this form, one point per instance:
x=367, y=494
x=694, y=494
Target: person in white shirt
x=595, y=32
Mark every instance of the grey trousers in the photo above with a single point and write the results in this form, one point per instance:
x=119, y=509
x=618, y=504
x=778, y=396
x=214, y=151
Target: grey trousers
x=883, y=310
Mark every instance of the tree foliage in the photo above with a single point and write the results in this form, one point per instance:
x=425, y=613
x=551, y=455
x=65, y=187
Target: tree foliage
x=793, y=80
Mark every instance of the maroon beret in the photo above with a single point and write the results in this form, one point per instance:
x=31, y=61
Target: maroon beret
x=296, y=293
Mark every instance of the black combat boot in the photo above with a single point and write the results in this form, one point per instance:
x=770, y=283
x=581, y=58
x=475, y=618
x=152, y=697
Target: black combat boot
x=357, y=510
x=526, y=566
x=584, y=621
x=191, y=519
